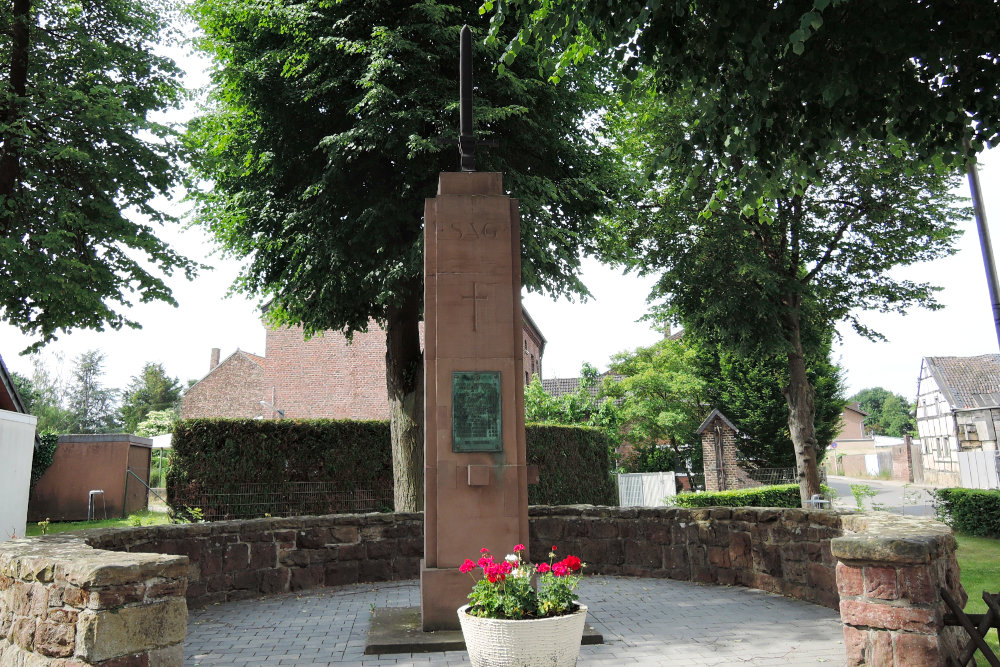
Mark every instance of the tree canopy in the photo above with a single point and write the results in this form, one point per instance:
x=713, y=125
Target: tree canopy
x=93, y=407
x=782, y=84
x=888, y=413
x=152, y=390
x=748, y=390
x=321, y=143
x=82, y=160
x=772, y=277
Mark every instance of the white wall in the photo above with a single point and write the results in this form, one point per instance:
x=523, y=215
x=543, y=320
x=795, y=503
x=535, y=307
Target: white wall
x=17, y=444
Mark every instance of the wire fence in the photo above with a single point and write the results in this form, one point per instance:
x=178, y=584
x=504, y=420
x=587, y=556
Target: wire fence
x=772, y=476
x=254, y=500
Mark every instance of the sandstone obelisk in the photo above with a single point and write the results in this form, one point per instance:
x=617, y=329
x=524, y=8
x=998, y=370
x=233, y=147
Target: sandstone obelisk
x=475, y=479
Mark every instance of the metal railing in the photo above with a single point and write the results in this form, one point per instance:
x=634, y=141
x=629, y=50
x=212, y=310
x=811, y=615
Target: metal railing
x=254, y=500
x=773, y=476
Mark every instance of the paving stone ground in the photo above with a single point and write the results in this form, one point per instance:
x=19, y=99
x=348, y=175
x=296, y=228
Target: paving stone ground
x=644, y=622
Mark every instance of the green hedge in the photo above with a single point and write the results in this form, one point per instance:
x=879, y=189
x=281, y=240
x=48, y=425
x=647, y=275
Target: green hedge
x=573, y=466
x=970, y=511
x=781, y=495
x=235, y=468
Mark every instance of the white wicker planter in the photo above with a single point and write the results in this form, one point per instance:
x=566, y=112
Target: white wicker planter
x=552, y=642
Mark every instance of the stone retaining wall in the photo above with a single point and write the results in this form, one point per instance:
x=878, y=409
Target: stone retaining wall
x=101, y=597
x=235, y=560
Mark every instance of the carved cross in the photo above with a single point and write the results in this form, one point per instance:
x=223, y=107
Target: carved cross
x=475, y=304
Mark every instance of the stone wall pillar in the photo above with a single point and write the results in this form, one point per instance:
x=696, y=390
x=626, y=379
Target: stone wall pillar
x=63, y=603
x=890, y=572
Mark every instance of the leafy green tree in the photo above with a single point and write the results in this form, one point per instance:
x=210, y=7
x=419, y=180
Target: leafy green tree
x=888, y=413
x=321, y=145
x=151, y=390
x=93, y=406
x=762, y=278
x=662, y=403
x=790, y=81
x=748, y=390
x=81, y=161
x=43, y=394
x=157, y=422
x=587, y=406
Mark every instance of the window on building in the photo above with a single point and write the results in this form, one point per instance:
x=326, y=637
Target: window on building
x=527, y=377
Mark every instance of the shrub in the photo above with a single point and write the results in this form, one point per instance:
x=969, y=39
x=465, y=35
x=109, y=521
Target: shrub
x=225, y=456
x=781, y=495
x=573, y=466
x=216, y=457
x=970, y=511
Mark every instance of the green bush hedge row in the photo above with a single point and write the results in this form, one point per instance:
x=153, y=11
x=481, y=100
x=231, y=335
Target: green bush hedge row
x=781, y=495
x=970, y=511
x=214, y=462
x=573, y=466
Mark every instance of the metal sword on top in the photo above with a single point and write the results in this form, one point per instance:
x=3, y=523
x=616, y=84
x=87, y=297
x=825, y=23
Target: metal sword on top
x=467, y=141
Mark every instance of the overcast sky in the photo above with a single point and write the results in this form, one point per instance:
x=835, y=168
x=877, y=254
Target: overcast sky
x=181, y=338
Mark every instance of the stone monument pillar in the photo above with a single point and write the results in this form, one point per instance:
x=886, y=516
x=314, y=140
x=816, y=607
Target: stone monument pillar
x=475, y=480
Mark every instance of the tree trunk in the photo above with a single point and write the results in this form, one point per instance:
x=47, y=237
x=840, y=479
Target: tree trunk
x=12, y=111
x=404, y=377
x=800, y=396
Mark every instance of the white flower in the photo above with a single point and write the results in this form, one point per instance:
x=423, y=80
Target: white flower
x=511, y=558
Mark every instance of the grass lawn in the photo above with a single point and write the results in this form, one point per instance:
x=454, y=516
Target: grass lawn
x=137, y=519
x=979, y=560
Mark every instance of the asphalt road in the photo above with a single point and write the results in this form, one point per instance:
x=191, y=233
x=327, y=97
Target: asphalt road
x=893, y=496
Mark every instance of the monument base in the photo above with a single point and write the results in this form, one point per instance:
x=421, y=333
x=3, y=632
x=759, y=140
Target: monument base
x=442, y=592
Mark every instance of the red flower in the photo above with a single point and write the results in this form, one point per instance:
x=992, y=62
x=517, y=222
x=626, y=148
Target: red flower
x=572, y=562
x=484, y=550
x=555, y=548
x=543, y=568
x=518, y=547
x=485, y=561
x=467, y=566
x=560, y=569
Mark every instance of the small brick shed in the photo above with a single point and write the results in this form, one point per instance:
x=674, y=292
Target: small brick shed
x=86, y=462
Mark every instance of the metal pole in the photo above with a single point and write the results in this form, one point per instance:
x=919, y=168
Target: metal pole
x=984, y=243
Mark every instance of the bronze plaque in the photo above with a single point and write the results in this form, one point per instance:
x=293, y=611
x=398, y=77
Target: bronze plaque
x=475, y=411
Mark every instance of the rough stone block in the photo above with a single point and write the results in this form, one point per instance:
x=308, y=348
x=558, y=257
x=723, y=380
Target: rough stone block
x=237, y=557
x=850, y=580
x=375, y=570
x=164, y=588
x=55, y=639
x=880, y=583
x=740, y=554
x=263, y=555
x=916, y=584
x=718, y=557
x=880, y=651
x=644, y=555
x=341, y=573
x=305, y=577
x=348, y=534
x=314, y=538
x=22, y=632
x=274, y=580
x=883, y=616
x=917, y=649
x=103, y=635
x=116, y=596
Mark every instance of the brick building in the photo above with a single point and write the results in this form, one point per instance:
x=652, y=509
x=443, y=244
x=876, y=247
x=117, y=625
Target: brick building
x=321, y=378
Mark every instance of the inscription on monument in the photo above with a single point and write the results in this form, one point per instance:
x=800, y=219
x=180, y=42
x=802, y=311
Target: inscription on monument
x=475, y=409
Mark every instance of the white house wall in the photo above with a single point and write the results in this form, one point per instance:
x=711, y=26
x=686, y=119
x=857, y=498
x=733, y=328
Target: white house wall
x=17, y=445
x=936, y=428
